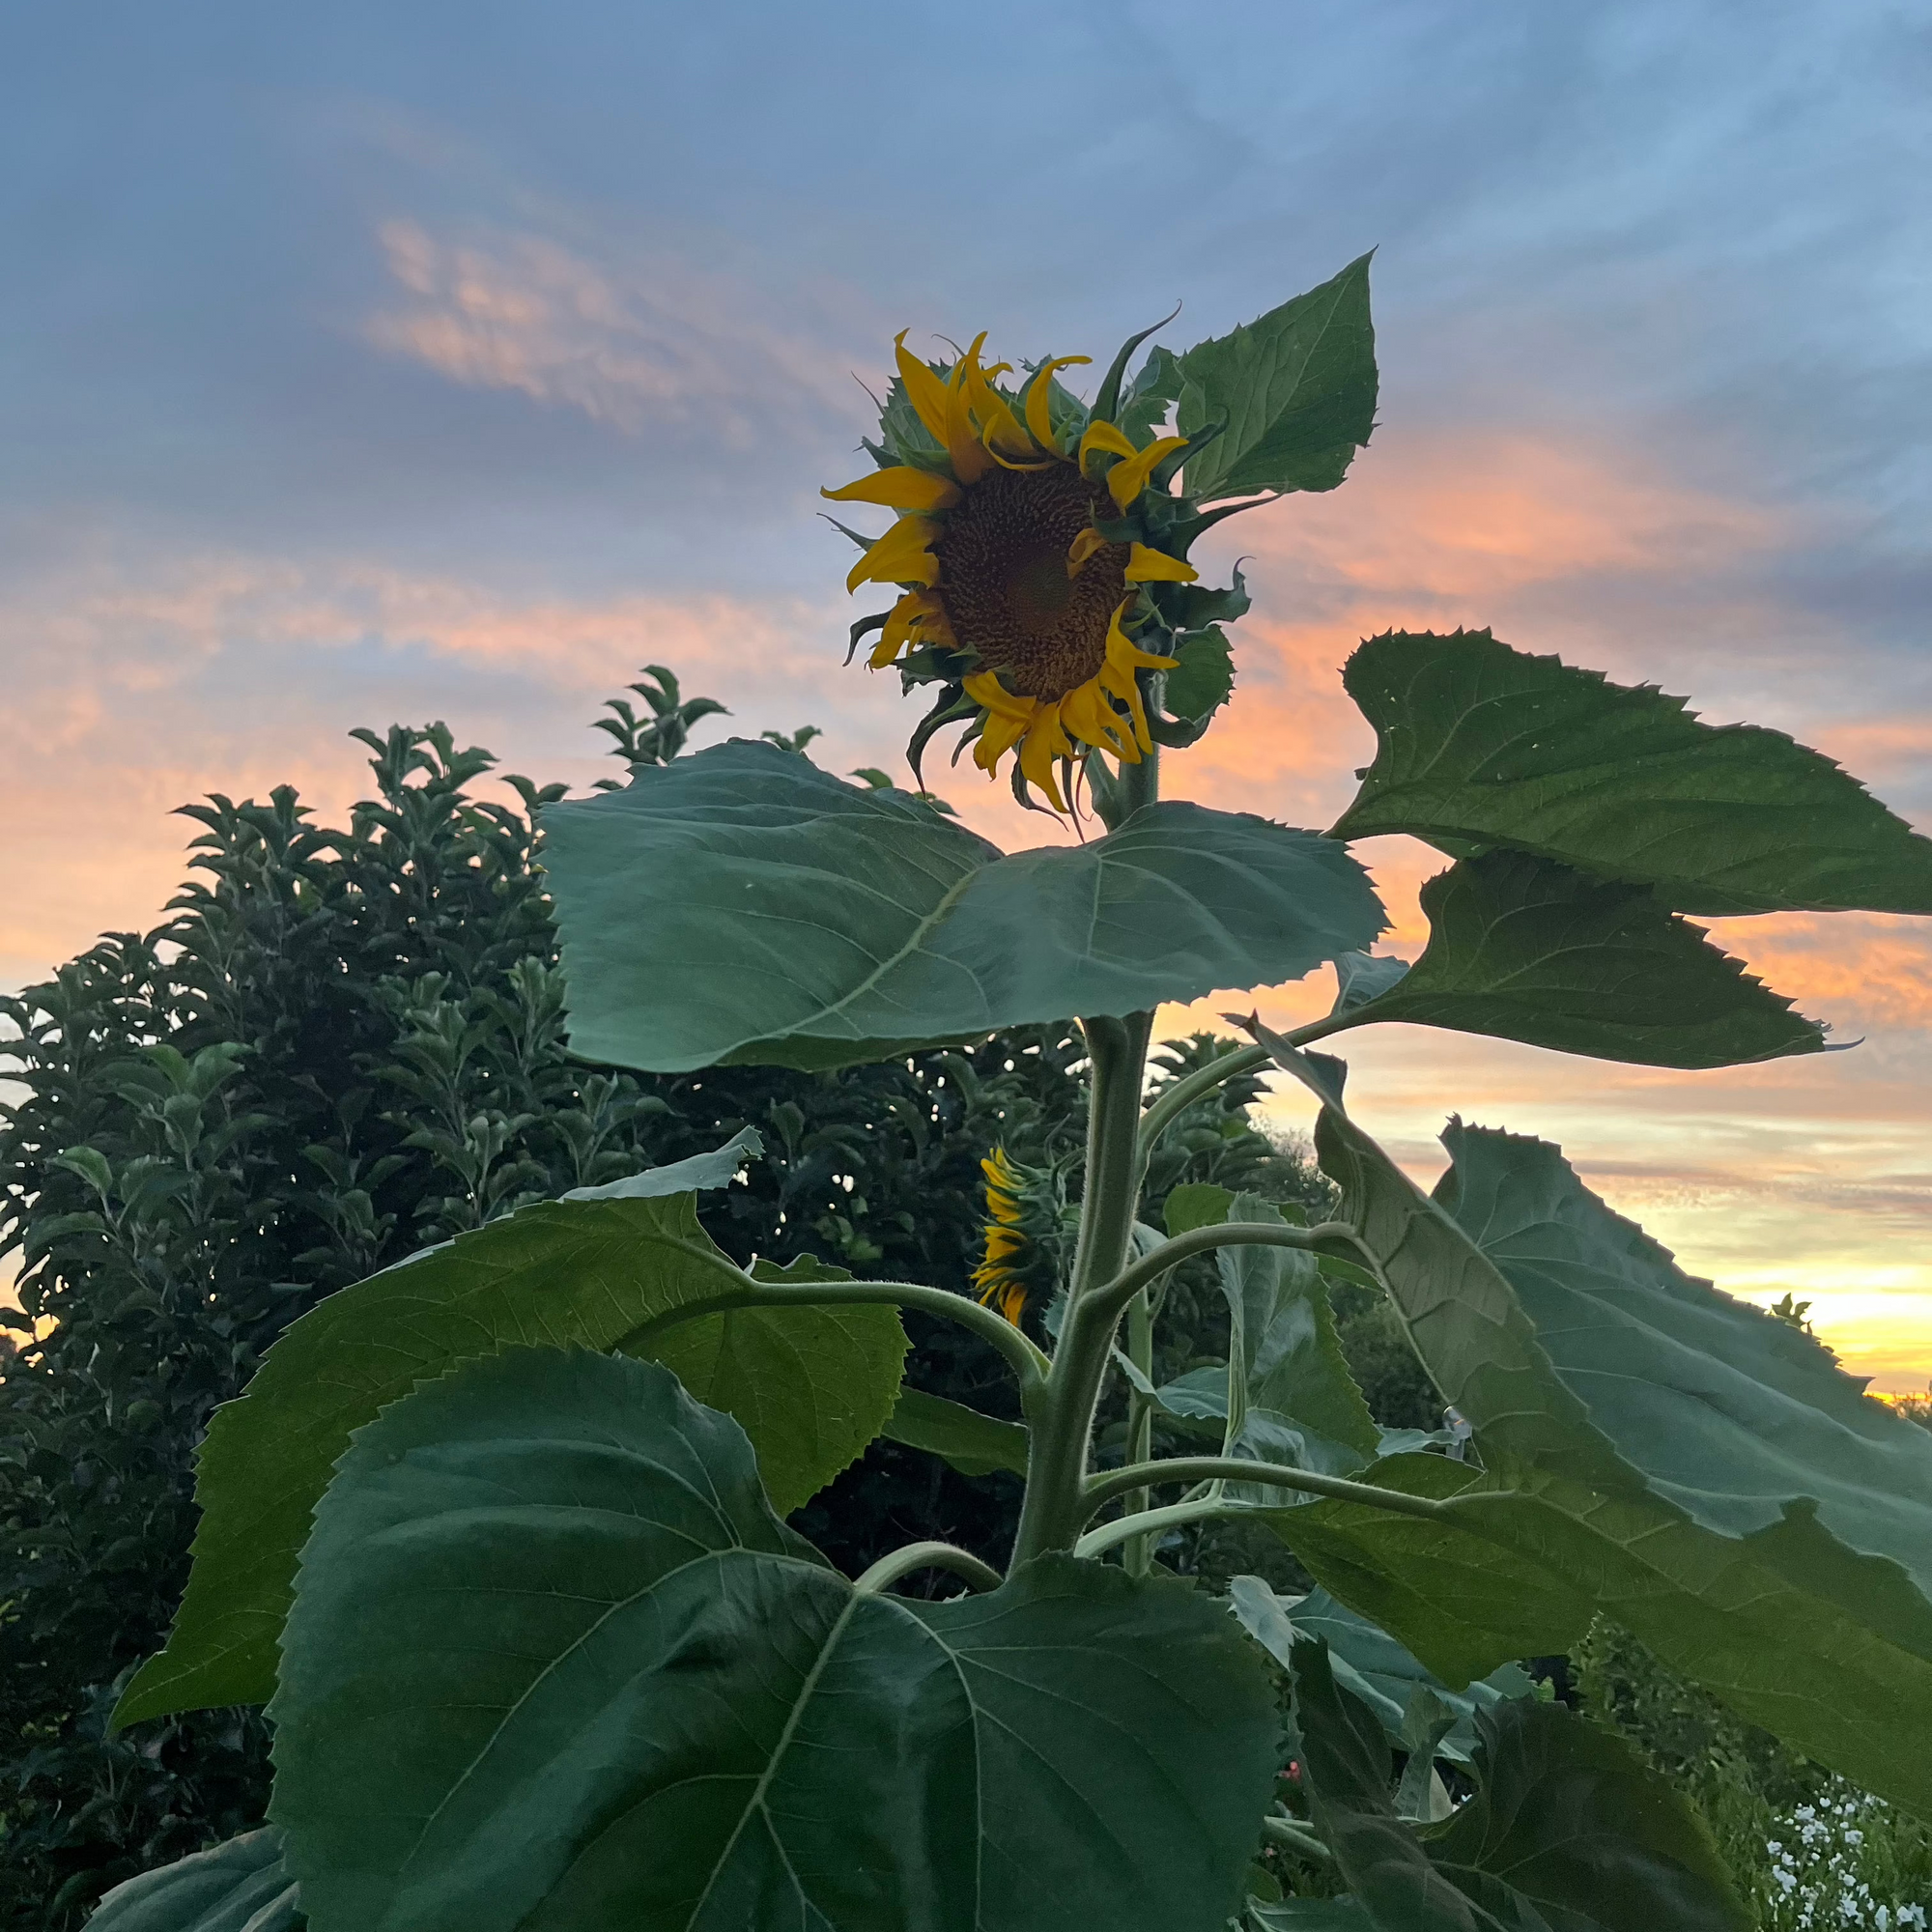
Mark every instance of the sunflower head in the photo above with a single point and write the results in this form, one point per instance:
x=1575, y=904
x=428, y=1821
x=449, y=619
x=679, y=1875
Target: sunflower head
x=1023, y=1230
x=1040, y=548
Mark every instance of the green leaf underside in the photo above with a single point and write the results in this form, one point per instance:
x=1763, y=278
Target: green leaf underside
x=1310, y=1915
x=1527, y=949
x=241, y=1886
x=1568, y=1826
x=974, y=1444
x=1288, y=1381
x=1203, y=680
x=1480, y=744
x=1653, y=1451
x=744, y=906
x=1297, y=388
x=815, y=1385
x=554, y=1663
x=1368, y=1662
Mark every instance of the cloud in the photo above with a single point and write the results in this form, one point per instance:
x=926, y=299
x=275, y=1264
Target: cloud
x=630, y=344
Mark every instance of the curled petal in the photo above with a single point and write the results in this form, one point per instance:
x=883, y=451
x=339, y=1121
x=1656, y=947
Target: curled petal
x=1127, y=480
x=901, y=488
x=1101, y=435
x=1083, y=547
x=1155, y=566
x=1039, y=401
x=1046, y=742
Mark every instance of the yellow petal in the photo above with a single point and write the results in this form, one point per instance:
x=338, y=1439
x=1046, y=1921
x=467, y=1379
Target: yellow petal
x=899, y=556
x=1039, y=400
x=1082, y=548
x=1046, y=741
x=1089, y=717
x=984, y=688
x=1000, y=430
x=924, y=389
x=1155, y=566
x=1127, y=480
x=902, y=488
x=1102, y=435
x=970, y=461
x=1124, y=654
x=903, y=625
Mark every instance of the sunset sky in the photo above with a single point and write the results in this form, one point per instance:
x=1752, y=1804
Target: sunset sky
x=365, y=363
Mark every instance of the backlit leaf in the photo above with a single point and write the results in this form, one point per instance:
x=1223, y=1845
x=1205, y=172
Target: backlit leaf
x=1481, y=745
x=743, y=905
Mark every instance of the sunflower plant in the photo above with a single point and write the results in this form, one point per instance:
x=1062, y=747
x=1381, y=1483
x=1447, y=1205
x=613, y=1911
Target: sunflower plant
x=499, y=1537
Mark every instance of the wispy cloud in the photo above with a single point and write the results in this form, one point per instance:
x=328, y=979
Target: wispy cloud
x=628, y=342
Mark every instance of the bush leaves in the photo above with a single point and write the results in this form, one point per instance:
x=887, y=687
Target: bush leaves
x=1297, y=388
x=1526, y=949
x=1481, y=745
x=743, y=905
x=814, y=1385
x=554, y=1664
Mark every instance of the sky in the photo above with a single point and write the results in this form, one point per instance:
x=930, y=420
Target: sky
x=371, y=363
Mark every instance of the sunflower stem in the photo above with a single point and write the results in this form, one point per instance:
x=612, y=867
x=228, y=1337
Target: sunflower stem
x=1051, y=1515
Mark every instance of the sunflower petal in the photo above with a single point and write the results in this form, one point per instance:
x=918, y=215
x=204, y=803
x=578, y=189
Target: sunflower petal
x=1000, y=430
x=1082, y=548
x=1039, y=400
x=970, y=461
x=902, y=488
x=1046, y=742
x=899, y=556
x=1102, y=435
x=984, y=688
x=1127, y=480
x=1155, y=566
x=924, y=389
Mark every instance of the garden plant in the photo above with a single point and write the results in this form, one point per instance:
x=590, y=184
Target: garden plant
x=499, y=1534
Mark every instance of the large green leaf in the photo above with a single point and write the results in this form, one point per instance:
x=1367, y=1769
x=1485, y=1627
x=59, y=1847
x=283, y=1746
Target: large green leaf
x=1653, y=1451
x=743, y=905
x=242, y=1885
x=1295, y=387
x=1568, y=1826
x=1481, y=745
x=1527, y=949
x=814, y=1384
x=553, y=1665
x=1368, y=1662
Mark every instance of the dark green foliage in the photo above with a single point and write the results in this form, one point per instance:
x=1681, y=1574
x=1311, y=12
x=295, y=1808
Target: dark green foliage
x=345, y=1044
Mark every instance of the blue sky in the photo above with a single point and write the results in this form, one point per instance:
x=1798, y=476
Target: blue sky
x=373, y=363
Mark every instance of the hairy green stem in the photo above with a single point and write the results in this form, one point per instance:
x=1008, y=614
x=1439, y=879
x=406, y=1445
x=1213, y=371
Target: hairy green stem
x=1117, y=1293
x=1137, y=1557
x=1144, y=1525
x=887, y=1570
x=1099, y=1490
x=1295, y=1838
x=1050, y=1517
x=1026, y=1360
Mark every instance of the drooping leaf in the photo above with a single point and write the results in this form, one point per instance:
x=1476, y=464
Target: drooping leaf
x=717, y=1169
x=554, y=1663
x=1526, y=949
x=1151, y=394
x=1481, y=745
x=1568, y=1826
x=1368, y=1662
x=973, y=1443
x=743, y=905
x=1204, y=678
x=805, y=1384
x=1652, y=1451
x=1296, y=390
x=242, y=1885
x=817, y=1384
x=1362, y=977
x=1291, y=1397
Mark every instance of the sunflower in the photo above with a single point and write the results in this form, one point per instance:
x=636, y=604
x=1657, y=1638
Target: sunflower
x=1018, y=547
x=1000, y=1284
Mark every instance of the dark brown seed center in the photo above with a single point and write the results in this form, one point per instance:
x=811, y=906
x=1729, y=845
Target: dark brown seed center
x=1003, y=578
